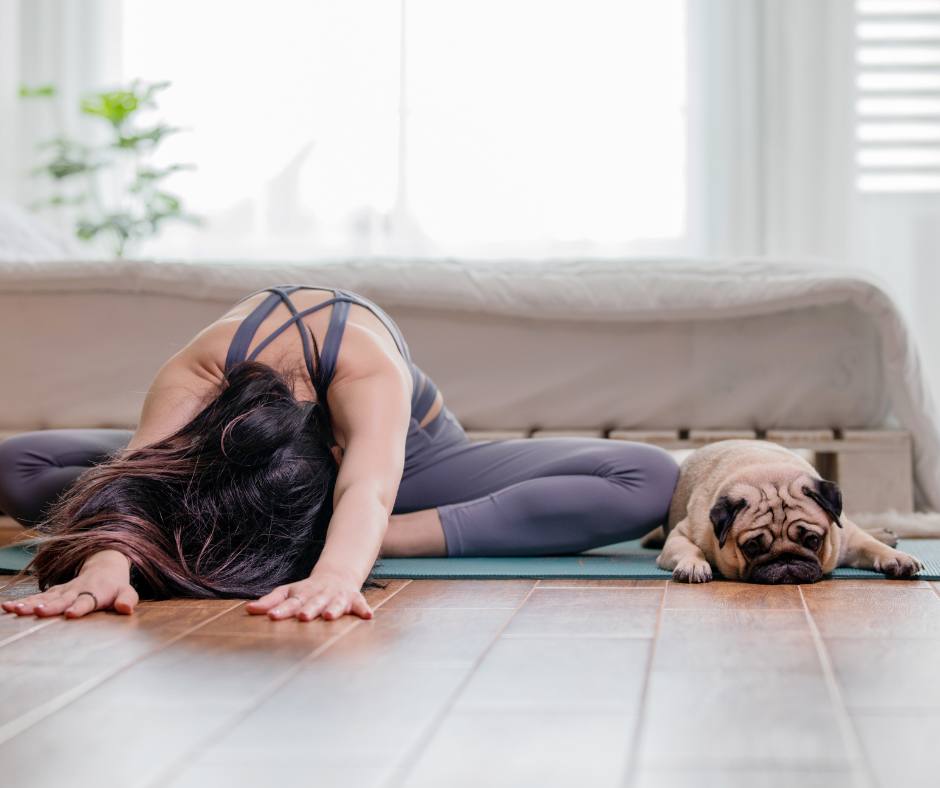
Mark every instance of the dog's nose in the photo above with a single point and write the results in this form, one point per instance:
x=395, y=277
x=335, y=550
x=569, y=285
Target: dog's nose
x=787, y=568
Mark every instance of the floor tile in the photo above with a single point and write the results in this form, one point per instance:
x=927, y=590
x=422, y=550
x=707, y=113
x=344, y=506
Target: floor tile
x=136, y=725
x=577, y=612
x=600, y=582
x=901, y=751
x=445, y=638
x=339, y=717
x=519, y=751
x=730, y=639
x=316, y=632
x=735, y=720
x=767, y=778
x=873, y=610
x=726, y=594
x=59, y=659
x=476, y=594
x=893, y=673
x=308, y=775
x=559, y=672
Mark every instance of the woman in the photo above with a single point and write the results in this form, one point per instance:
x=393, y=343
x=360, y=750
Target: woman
x=296, y=397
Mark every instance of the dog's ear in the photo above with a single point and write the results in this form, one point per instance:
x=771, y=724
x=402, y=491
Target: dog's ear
x=828, y=496
x=722, y=516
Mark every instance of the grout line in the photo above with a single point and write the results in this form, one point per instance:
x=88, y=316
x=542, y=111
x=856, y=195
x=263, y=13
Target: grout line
x=189, y=757
x=407, y=762
x=936, y=590
x=19, y=724
x=633, y=755
x=41, y=624
x=861, y=769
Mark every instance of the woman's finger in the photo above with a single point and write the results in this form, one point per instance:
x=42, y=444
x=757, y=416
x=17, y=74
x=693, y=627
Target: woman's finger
x=82, y=605
x=126, y=601
x=27, y=605
x=287, y=609
x=361, y=608
x=313, y=608
x=335, y=609
x=268, y=601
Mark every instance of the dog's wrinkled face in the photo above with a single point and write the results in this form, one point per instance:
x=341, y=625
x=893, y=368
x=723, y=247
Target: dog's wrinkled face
x=777, y=526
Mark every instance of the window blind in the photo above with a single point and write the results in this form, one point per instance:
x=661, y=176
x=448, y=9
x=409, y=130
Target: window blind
x=898, y=96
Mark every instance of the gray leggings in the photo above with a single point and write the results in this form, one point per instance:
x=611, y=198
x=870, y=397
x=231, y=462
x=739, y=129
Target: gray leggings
x=517, y=497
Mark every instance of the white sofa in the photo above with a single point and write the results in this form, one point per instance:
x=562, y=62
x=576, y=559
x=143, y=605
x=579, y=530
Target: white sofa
x=813, y=356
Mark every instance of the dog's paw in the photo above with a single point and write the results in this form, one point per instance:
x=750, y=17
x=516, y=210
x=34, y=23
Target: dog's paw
x=884, y=535
x=692, y=572
x=898, y=565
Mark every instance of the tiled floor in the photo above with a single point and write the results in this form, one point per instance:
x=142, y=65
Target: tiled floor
x=643, y=684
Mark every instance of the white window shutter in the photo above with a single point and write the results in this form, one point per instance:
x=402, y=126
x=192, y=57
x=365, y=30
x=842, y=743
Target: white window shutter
x=898, y=96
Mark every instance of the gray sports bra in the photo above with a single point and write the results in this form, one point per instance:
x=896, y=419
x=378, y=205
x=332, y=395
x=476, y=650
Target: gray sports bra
x=424, y=391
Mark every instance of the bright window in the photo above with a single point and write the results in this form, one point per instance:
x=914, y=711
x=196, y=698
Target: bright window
x=501, y=128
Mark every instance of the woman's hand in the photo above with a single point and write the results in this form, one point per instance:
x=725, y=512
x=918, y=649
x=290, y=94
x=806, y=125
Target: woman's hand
x=325, y=594
x=105, y=574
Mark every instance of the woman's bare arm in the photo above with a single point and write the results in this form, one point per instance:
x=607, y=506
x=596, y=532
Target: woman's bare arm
x=371, y=405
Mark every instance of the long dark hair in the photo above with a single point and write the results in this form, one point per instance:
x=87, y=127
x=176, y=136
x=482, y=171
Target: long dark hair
x=232, y=505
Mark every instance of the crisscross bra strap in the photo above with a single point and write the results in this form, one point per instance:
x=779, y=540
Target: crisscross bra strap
x=424, y=390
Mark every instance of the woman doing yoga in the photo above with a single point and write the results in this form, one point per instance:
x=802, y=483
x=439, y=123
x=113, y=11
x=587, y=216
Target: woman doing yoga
x=285, y=448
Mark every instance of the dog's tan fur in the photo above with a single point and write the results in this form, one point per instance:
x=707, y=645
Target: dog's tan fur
x=771, y=493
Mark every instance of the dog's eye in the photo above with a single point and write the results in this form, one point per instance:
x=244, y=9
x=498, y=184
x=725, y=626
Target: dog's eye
x=753, y=548
x=811, y=542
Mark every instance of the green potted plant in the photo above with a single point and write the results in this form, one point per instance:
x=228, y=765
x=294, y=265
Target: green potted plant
x=118, y=195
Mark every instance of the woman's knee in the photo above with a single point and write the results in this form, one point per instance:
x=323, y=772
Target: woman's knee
x=648, y=470
x=15, y=452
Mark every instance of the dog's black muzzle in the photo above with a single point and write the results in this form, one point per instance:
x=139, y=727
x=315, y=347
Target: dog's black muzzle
x=786, y=568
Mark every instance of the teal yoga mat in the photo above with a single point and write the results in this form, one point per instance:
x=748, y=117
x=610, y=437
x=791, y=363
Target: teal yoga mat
x=627, y=559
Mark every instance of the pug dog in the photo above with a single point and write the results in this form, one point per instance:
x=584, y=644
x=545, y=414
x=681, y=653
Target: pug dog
x=759, y=513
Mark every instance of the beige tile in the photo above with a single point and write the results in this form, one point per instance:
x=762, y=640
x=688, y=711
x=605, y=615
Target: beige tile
x=476, y=594
x=886, y=673
x=316, y=632
x=62, y=657
x=383, y=590
x=431, y=637
x=522, y=750
x=339, y=717
x=746, y=778
x=133, y=727
x=901, y=750
x=556, y=673
x=308, y=775
x=732, y=640
x=740, y=720
x=726, y=594
x=874, y=611
x=598, y=582
x=577, y=612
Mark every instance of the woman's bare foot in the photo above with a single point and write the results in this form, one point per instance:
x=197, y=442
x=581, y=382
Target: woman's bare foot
x=414, y=535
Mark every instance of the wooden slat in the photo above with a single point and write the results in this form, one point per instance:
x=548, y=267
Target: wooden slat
x=496, y=435
x=664, y=438
x=801, y=438
x=702, y=437
x=573, y=433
